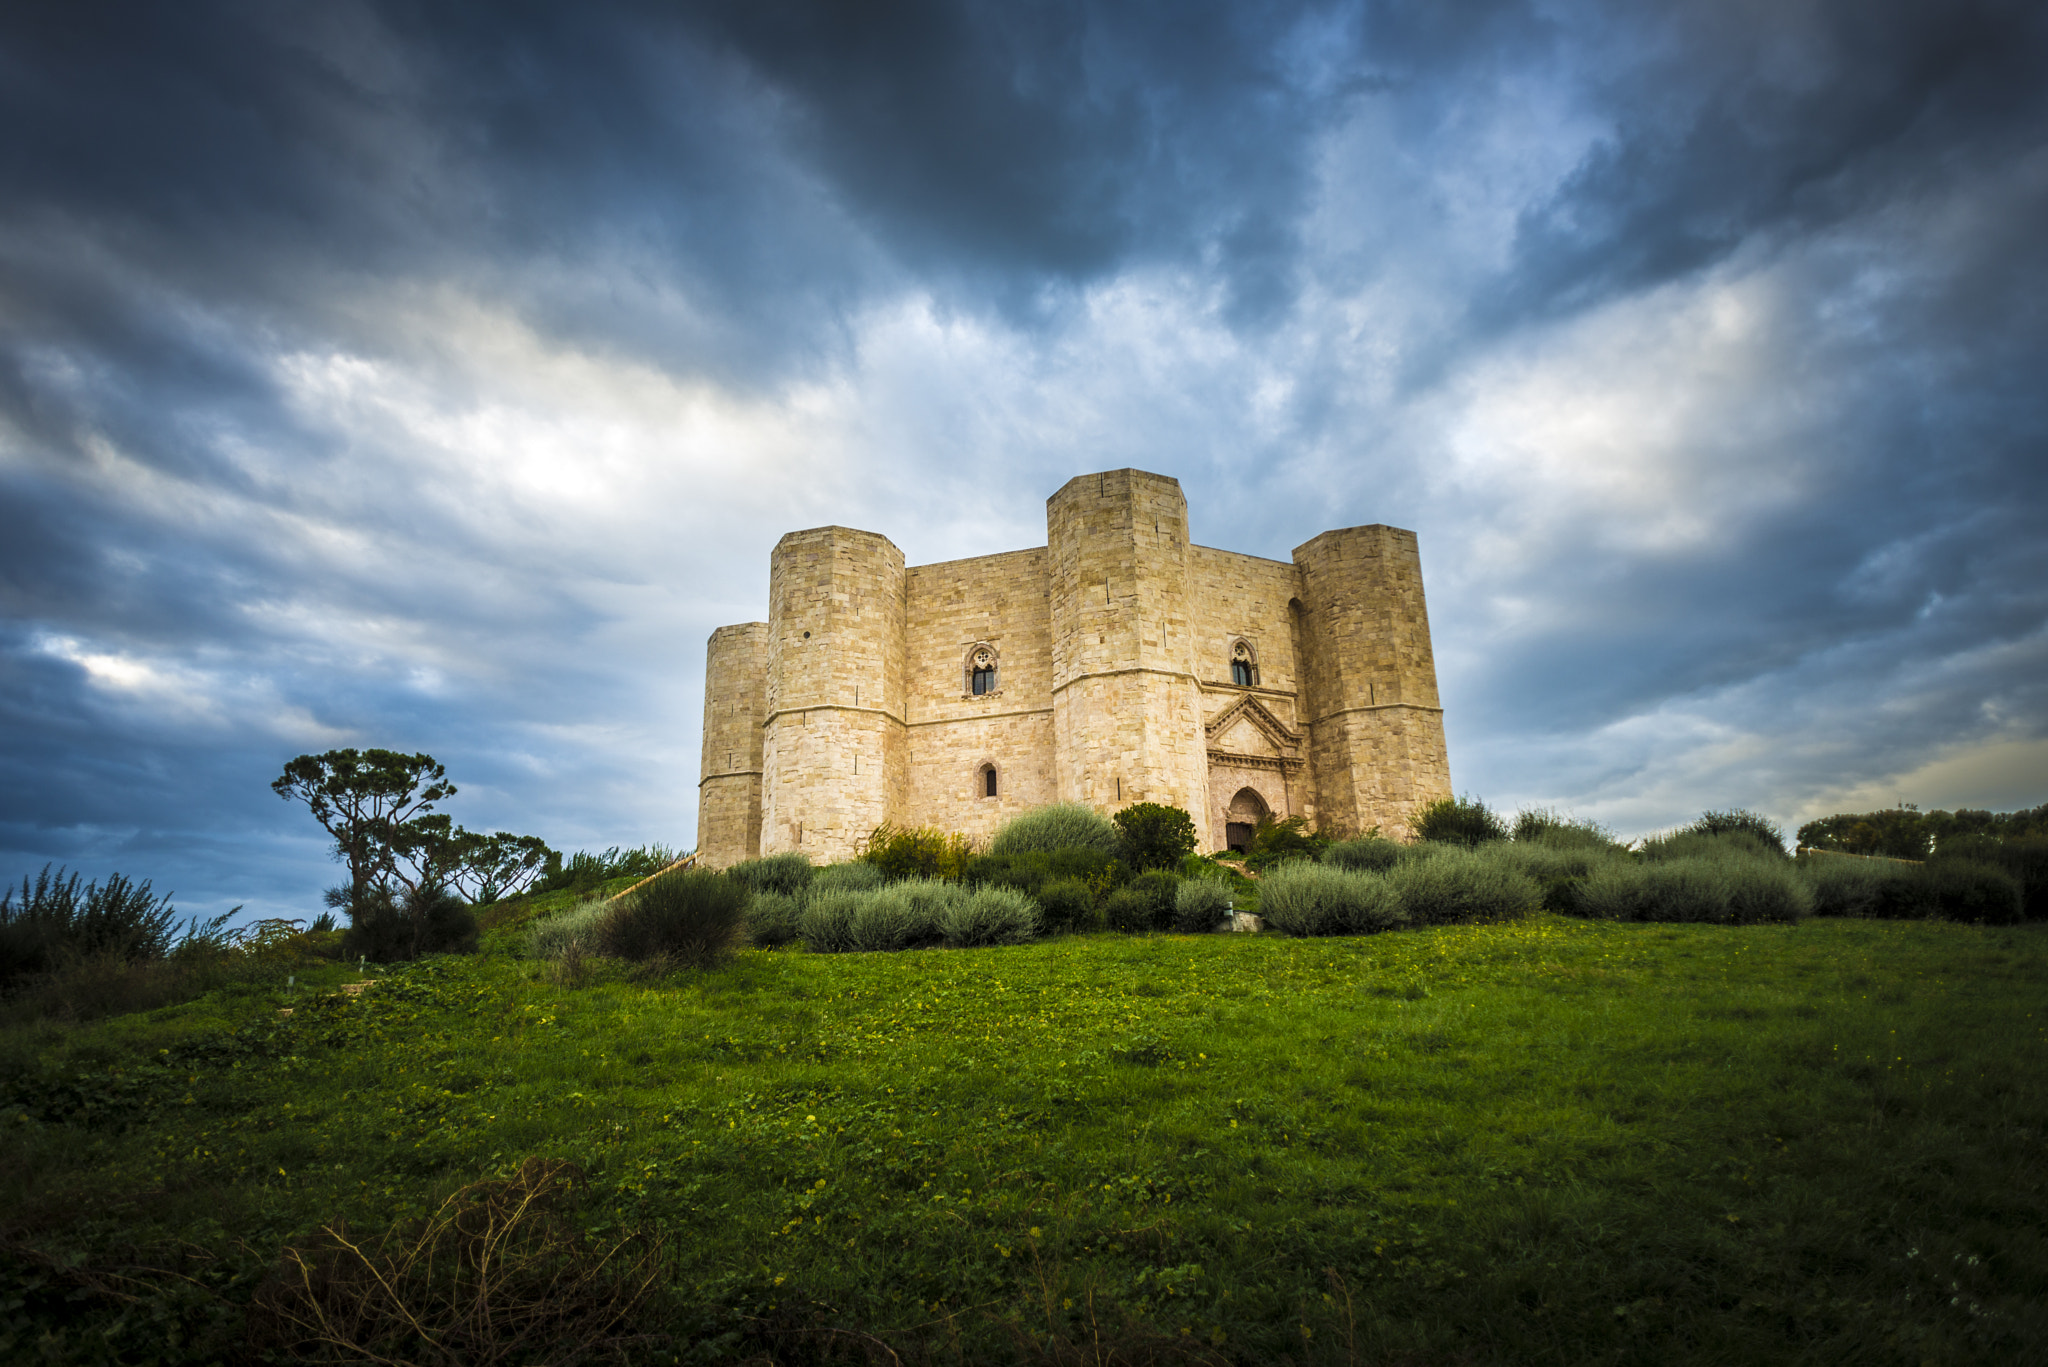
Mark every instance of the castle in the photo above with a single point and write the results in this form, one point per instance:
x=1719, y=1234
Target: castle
x=1118, y=663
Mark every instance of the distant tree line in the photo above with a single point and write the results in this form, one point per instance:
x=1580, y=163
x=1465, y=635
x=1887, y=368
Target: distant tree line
x=1906, y=832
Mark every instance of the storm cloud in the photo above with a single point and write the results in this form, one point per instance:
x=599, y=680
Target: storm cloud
x=438, y=376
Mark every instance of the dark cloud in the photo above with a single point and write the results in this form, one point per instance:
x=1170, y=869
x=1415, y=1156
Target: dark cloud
x=1725, y=123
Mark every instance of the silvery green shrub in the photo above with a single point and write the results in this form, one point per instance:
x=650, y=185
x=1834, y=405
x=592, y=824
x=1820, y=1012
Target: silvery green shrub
x=789, y=872
x=1059, y=826
x=826, y=922
x=1199, y=904
x=900, y=916
x=553, y=936
x=988, y=916
x=1460, y=887
x=858, y=876
x=1300, y=898
x=1716, y=889
x=1372, y=854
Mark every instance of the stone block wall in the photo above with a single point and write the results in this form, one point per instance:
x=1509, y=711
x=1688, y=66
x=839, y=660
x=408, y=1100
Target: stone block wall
x=1001, y=603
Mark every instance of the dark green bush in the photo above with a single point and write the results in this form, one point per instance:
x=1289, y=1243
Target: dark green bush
x=1560, y=867
x=1031, y=870
x=788, y=873
x=1373, y=854
x=1301, y=898
x=1157, y=837
x=690, y=917
x=1130, y=911
x=1965, y=890
x=1739, y=822
x=1164, y=890
x=1687, y=843
x=389, y=929
x=1459, y=821
x=1059, y=826
x=1065, y=905
x=1276, y=842
x=2025, y=857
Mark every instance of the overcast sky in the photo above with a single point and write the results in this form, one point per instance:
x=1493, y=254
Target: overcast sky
x=437, y=377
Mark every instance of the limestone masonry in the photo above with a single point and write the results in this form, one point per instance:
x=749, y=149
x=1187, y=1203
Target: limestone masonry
x=1115, y=664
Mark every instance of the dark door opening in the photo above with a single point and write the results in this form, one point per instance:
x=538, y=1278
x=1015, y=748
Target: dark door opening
x=1238, y=836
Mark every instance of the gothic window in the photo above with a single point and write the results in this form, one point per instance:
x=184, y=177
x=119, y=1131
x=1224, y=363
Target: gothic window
x=981, y=671
x=1244, y=666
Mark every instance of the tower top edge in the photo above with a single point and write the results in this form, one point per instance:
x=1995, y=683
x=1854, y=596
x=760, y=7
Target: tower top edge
x=1353, y=531
x=832, y=531
x=1126, y=471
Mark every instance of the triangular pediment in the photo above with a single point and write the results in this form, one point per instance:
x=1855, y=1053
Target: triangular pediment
x=1241, y=737
x=1248, y=713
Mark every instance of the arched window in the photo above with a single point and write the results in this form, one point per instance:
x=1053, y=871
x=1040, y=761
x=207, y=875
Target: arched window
x=988, y=780
x=981, y=671
x=1244, y=665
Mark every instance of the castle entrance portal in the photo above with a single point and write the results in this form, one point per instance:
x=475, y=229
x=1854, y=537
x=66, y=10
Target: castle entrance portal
x=1241, y=818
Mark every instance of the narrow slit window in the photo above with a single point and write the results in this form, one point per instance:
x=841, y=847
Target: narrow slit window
x=988, y=781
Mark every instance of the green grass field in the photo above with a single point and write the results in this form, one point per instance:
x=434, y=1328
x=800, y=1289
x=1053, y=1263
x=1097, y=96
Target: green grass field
x=1550, y=1141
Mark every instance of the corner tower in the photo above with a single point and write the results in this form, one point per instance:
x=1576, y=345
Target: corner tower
x=833, y=749
x=729, y=786
x=1375, y=723
x=1127, y=714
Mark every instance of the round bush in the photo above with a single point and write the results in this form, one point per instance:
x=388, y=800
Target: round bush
x=789, y=873
x=1458, y=887
x=1199, y=905
x=690, y=917
x=1065, y=905
x=772, y=918
x=1315, y=899
x=1059, y=826
x=1761, y=892
x=988, y=916
x=1156, y=836
x=1372, y=854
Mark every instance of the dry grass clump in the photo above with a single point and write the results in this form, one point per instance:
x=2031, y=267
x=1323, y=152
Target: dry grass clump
x=500, y=1272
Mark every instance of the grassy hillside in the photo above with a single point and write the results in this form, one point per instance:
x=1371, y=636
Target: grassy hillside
x=1547, y=1141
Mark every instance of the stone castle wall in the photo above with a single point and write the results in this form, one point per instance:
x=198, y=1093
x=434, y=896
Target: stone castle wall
x=1113, y=646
